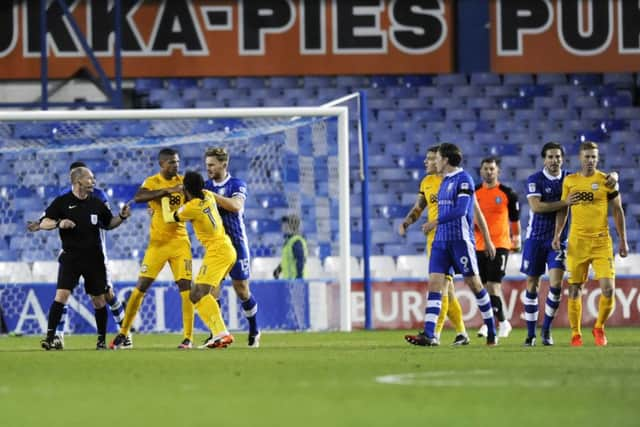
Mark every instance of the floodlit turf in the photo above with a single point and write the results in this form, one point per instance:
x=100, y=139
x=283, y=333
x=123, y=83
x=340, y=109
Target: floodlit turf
x=322, y=379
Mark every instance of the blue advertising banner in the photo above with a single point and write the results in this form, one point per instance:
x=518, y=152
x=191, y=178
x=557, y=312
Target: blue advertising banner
x=282, y=305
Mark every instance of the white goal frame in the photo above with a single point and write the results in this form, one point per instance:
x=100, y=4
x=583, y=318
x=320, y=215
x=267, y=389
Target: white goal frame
x=339, y=112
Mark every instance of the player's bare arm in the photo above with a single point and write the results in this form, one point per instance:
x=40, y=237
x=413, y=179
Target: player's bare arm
x=145, y=195
x=617, y=210
x=231, y=204
x=481, y=222
x=414, y=214
x=561, y=220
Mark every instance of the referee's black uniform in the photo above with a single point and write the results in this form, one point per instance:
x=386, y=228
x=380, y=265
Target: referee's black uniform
x=81, y=246
x=82, y=253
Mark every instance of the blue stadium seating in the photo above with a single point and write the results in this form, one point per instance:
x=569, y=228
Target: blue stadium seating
x=486, y=113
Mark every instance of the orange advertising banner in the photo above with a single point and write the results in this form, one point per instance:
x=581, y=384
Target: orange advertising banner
x=400, y=304
x=230, y=38
x=565, y=36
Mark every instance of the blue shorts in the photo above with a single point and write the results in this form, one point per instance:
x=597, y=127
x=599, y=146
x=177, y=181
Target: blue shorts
x=241, y=269
x=537, y=255
x=457, y=254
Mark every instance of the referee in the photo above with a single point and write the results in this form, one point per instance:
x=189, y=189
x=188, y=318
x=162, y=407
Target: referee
x=79, y=216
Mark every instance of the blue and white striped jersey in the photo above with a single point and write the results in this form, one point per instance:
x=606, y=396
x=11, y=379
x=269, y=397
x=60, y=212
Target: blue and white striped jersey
x=455, y=207
x=541, y=226
x=233, y=222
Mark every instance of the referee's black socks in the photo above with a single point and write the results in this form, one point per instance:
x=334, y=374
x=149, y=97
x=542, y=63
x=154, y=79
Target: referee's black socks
x=55, y=313
x=101, y=321
x=496, y=303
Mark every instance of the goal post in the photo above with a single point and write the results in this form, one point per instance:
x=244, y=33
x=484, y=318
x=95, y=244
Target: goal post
x=78, y=131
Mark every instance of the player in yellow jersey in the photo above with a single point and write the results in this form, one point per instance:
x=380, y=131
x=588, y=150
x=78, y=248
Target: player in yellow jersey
x=167, y=243
x=219, y=257
x=589, y=242
x=428, y=198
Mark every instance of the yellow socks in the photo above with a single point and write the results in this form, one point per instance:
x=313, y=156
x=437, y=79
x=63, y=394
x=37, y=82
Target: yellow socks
x=188, y=315
x=443, y=314
x=133, y=305
x=605, y=308
x=455, y=315
x=574, y=306
x=209, y=312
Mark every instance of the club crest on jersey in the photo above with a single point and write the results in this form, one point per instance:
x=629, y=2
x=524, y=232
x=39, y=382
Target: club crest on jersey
x=221, y=191
x=594, y=186
x=94, y=219
x=547, y=190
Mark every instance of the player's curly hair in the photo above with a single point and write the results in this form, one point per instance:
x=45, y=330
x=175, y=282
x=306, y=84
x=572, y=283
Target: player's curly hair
x=194, y=184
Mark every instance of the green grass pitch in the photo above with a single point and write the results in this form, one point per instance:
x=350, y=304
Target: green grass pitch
x=365, y=378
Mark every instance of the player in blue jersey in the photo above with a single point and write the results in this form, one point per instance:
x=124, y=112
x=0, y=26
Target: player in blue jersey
x=230, y=194
x=453, y=246
x=115, y=304
x=544, y=190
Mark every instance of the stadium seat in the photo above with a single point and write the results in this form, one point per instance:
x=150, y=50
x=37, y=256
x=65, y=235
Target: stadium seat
x=215, y=83
x=515, y=103
x=284, y=82
x=513, y=264
x=45, y=271
x=262, y=267
x=412, y=266
x=318, y=81
x=382, y=266
x=616, y=101
x=181, y=83
x=415, y=80
x=250, y=82
x=517, y=79
x=484, y=79
x=383, y=81
x=143, y=86
x=585, y=79
x=277, y=200
x=501, y=91
x=332, y=266
x=551, y=78
x=532, y=90
x=15, y=272
x=313, y=268
x=453, y=79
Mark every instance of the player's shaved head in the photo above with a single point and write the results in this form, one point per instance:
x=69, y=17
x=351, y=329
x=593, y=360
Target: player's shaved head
x=79, y=173
x=166, y=153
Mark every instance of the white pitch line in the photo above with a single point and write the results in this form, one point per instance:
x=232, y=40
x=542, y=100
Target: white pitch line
x=474, y=378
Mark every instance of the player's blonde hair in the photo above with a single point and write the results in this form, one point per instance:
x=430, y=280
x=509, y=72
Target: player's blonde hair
x=588, y=145
x=220, y=153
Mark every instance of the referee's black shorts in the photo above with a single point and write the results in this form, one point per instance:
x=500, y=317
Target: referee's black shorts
x=492, y=270
x=90, y=266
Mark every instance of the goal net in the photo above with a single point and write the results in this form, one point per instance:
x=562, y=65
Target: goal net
x=294, y=161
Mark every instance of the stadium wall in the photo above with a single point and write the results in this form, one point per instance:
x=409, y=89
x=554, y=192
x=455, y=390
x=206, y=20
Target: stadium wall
x=298, y=305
